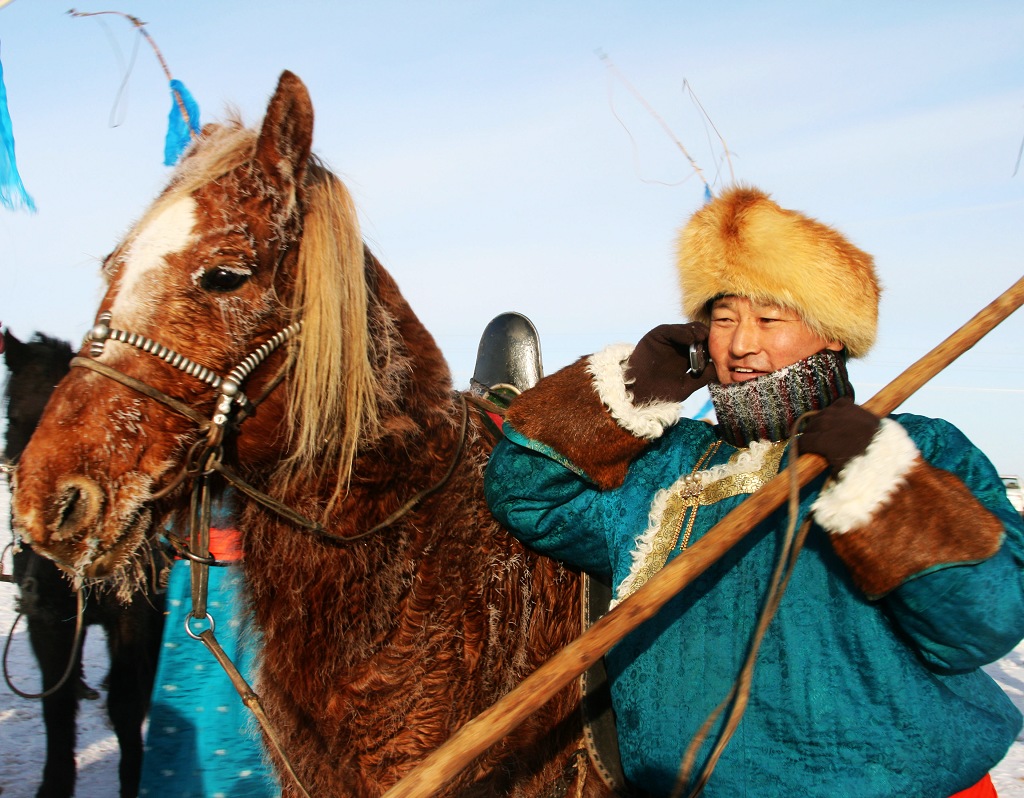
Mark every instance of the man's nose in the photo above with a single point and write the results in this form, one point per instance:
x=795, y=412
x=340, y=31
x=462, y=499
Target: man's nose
x=746, y=340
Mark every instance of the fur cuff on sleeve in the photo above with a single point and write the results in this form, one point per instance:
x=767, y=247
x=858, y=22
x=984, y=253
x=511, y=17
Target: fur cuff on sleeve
x=608, y=368
x=893, y=516
x=868, y=481
x=565, y=413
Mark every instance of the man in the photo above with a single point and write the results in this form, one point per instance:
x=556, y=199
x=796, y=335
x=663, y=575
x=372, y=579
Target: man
x=868, y=681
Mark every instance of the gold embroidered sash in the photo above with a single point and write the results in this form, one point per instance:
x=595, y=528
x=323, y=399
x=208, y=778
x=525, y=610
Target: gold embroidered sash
x=685, y=497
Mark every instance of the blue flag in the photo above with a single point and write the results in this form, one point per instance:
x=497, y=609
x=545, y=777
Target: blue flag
x=12, y=191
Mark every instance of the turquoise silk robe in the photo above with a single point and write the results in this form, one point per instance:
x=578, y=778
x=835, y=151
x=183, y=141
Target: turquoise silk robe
x=868, y=682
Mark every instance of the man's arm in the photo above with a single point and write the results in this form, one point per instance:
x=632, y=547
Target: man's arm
x=920, y=517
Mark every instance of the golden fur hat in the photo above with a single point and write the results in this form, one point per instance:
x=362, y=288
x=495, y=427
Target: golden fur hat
x=742, y=243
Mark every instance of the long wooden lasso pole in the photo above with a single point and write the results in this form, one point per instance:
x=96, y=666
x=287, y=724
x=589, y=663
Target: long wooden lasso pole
x=537, y=689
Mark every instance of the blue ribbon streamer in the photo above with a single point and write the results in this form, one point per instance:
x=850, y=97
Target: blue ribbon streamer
x=12, y=191
x=178, y=132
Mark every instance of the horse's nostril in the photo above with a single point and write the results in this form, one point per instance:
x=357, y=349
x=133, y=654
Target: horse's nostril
x=78, y=506
x=67, y=505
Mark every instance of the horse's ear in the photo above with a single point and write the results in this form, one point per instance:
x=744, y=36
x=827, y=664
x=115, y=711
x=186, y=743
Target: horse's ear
x=12, y=349
x=286, y=139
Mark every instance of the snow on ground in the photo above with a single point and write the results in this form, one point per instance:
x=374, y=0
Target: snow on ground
x=22, y=740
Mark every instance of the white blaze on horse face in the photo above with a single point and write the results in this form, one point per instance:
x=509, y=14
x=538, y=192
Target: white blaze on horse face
x=170, y=231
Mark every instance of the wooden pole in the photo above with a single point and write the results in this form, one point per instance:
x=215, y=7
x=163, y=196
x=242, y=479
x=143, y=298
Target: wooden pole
x=492, y=724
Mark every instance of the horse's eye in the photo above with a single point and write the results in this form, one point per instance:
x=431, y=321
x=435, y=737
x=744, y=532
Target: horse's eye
x=223, y=280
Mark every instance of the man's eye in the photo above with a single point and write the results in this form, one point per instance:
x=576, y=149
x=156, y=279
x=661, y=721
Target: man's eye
x=222, y=279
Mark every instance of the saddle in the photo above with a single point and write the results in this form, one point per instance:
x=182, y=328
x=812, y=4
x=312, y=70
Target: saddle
x=508, y=362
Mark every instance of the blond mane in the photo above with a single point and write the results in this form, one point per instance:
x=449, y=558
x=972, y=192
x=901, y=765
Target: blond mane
x=334, y=387
x=332, y=393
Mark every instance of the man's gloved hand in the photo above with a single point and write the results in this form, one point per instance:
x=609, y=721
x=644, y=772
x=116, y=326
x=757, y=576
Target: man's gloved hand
x=657, y=369
x=839, y=433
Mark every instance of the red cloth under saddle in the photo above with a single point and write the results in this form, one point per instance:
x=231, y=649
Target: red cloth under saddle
x=226, y=544
x=983, y=789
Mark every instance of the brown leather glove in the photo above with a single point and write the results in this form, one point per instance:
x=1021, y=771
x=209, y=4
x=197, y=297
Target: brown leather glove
x=839, y=433
x=658, y=367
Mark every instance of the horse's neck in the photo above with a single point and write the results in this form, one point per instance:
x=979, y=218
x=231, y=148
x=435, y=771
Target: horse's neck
x=416, y=378
x=419, y=438
x=419, y=431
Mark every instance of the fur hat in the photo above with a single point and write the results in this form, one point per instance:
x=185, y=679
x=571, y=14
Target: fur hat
x=742, y=243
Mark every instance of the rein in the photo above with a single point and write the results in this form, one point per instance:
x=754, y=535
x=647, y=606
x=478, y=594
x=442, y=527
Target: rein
x=200, y=462
x=27, y=586
x=300, y=520
x=28, y=589
x=79, y=629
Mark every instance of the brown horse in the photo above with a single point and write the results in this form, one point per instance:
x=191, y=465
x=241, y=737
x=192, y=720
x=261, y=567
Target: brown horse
x=379, y=640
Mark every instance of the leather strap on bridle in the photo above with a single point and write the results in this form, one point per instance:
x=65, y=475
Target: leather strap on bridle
x=302, y=521
x=141, y=387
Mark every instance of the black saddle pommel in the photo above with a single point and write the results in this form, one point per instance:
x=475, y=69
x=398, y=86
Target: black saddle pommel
x=508, y=355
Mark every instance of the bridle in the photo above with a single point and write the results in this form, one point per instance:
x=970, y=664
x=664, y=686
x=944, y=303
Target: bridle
x=232, y=406
x=229, y=388
x=204, y=459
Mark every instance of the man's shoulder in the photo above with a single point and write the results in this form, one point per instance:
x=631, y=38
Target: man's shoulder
x=689, y=432
x=681, y=446
x=927, y=425
x=944, y=445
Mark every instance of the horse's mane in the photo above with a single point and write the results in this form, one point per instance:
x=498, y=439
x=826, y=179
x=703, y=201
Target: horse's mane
x=333, y=389
x=335, y=385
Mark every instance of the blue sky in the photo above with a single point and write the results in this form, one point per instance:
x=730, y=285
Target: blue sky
x=500, y=164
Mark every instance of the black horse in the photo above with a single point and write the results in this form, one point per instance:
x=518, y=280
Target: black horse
x=133, y=621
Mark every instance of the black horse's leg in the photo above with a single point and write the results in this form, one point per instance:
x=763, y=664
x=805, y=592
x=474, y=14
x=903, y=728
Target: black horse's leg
x=52, y=642
x=133, y=638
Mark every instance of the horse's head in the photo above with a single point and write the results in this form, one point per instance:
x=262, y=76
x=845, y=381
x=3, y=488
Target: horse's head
x=251, y=236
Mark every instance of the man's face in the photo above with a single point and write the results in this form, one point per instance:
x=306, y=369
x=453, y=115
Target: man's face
x=748, y=339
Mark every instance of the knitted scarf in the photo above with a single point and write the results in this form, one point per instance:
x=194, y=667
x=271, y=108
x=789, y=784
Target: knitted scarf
x=767, y=407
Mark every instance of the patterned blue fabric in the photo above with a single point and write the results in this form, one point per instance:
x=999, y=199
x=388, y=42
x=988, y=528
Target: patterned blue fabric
x=850, y=697
x=202, y=741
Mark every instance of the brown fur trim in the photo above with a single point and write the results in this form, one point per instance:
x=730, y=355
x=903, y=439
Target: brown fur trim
x=932, y=520
x=744, y=244
x=563, y=411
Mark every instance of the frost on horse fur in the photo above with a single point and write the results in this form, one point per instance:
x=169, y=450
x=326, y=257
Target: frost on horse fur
x=375, y=650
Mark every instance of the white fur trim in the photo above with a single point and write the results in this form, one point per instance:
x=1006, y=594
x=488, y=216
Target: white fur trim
x=608, y=368
x=745, y=461
x=868, y=481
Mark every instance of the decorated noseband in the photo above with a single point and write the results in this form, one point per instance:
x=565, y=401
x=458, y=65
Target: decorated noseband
x=229, y=387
